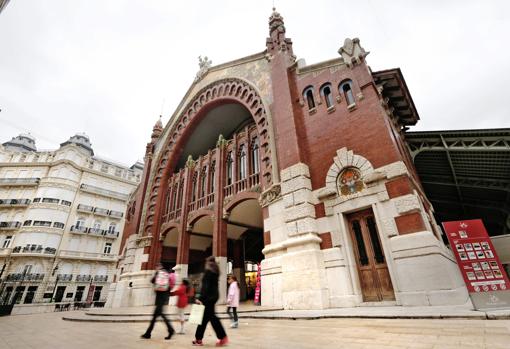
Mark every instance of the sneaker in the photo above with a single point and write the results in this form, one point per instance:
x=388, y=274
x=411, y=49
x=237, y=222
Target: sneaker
x=222, y=342
x=234, y=324
x=197, y=343
x=181, y=332
x=145, y=336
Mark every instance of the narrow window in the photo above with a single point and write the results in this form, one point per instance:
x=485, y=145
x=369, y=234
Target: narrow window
x=230, y=168
x=181, y=191
x=346, y=89
x=213, y=176
x=255, y=155
x=174, y=200
x=308, y=97
x=7, y=241
x=203, y=181
x=242, y=162
x=111, y=228
x=107, y=248
x=327, y=95
x=194, y=187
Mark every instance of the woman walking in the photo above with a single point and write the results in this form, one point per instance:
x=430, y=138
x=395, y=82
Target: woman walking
x=208, y=297
x=233, y=300
x=182, y=301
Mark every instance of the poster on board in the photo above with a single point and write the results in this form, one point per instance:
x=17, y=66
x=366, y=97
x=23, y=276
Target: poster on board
x=481, y=269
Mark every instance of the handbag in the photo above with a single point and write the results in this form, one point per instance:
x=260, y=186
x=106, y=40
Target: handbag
x=196, y=314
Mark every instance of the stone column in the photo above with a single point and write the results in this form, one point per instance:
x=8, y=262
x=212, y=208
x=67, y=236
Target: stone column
x=304, y=284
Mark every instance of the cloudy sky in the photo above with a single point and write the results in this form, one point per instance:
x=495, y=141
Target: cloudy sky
x=110, y=67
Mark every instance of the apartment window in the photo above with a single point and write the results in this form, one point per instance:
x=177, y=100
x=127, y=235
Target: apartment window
x=112, y=227
x=42, y=224
x=27, y=223
x=7, y=241
x=65, y=202
x=59, y=225
x=327, y=95
x=50, y=200
x=308, y=97
x=80, y=223
x=345, y=88
x=97, y=225
x=242, y=162
x=107, y=248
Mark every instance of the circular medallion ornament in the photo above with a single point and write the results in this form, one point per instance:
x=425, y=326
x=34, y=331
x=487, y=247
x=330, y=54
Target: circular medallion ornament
x=349, y=181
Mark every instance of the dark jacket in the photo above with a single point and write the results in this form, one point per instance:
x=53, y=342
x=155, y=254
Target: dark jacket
x=209, y=293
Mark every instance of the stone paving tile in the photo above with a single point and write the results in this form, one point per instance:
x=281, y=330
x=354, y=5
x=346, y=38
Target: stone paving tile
x=43, y=331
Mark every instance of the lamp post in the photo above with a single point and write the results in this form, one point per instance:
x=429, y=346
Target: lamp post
x=56, y=282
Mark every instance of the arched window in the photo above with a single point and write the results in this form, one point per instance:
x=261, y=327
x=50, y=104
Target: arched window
x=174, y=194
x=181, y=191
x=242, y=162
x=213, y=176
x=255, y=155
x=345, y=89
x=203, y=181
x=308, y=97
x=327, y=94
x=194, y=187
x=230, y=168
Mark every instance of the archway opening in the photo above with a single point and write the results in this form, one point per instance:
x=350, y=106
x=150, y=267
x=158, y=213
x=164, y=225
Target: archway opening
x=245, y=232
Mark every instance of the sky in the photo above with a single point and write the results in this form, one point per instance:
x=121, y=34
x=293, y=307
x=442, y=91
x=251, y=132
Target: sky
x=109, y=68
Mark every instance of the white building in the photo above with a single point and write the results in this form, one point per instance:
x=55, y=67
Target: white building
x=61, y=220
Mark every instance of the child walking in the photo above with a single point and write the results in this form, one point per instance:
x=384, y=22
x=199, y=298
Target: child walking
x=233, y=301
x=182, y=301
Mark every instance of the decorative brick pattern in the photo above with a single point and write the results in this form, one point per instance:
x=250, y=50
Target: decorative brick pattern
x=326, y=241
x=410, y=223
x=320, y=210
x=399, y=186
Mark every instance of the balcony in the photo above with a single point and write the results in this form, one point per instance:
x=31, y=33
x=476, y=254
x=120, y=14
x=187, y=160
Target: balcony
x=50, y=200
x=14, y=202
x=20, y=182
x=115, y=214
x=111, y=234
x=96, y=231
x=101, y=211
x=88, y=255
x=79, y=229
x=83, y=278
x=9, y=225
x=64, y=277
x=34, y=250
x=101, y=278
x=103, y=192
x=24, y=277
x=85, y=208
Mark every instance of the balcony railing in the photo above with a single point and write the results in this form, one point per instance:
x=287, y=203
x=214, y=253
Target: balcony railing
x=65, y=277
x=115, y=214
x=79, y=229
x=29, y=249
x=87, y=255
x=24, y=277
x=83, y=278
x=101, y=211
x=85, y=208
x=100, y=191
x=111, y=234
x=101, y=278
x=96, y=231
x=9, y=225
x=50, y=200
x=14, y=202
x=19, y=181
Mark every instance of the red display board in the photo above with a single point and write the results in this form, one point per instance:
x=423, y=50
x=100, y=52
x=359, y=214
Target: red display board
x=477, y=259
x=90, y=294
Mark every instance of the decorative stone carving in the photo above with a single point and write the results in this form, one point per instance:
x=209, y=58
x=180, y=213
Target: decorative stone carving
x=352, y=52
x=346, y=159
x=349, y=181
x=406, y=203
x=221, y=142
x=190, y=163
x=204, y=65
x=270, y=195
x=143, y=241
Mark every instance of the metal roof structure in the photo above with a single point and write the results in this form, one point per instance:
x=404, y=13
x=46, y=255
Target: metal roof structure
x=465, y=174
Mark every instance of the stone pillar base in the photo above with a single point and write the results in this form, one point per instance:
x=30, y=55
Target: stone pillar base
x=222, y=281
x=134, y=290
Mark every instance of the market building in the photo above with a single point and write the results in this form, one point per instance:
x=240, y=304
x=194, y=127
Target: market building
x=61, y=220
x=301, y=168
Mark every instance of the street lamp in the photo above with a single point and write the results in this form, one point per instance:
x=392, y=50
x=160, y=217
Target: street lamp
x=56, y=282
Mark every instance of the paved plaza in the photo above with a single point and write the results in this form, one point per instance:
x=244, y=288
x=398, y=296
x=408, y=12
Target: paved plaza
x=50, y=331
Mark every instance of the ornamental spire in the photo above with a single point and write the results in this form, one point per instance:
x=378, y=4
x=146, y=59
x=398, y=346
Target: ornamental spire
x=277, y=41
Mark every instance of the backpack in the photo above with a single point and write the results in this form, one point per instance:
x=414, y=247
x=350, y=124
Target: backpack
x=164, y=281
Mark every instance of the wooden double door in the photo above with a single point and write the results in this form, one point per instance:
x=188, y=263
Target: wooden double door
x=371, y=263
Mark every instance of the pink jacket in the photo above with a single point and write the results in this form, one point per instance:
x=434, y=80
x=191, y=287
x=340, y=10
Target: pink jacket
x=233, y=295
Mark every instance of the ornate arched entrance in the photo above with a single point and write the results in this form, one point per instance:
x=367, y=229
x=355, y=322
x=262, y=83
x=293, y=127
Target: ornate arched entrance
x=216, y=158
